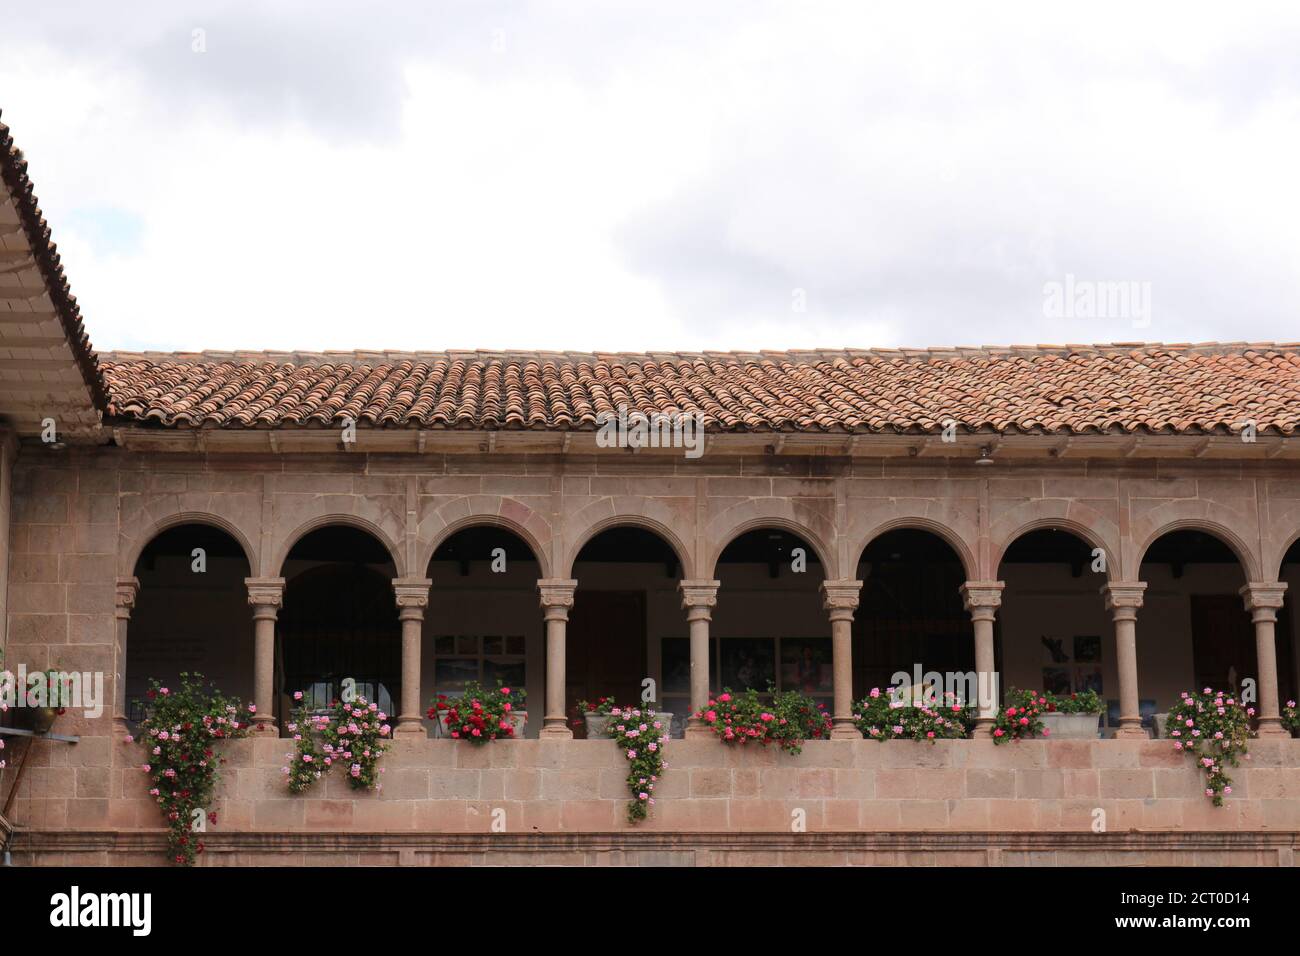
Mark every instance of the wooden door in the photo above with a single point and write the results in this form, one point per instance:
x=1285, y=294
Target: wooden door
x=605, y=651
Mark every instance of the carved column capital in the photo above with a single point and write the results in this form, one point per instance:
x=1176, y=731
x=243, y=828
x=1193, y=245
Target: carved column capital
x=124, y=601
x=412, y=593
x=266, y=595
x=556, y=597
x=1123, y=598
x=1263, y=599
x=840, y=598
x=699, y=597
x=981, y=599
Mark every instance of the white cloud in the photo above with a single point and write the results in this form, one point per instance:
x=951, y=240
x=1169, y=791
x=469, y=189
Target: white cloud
x=559, y=176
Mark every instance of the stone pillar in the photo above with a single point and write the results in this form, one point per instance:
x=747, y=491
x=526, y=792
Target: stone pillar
x=127, y=589
x=698, y=600
x=982, y=600
x=266, y=595
x=840, y=599
x=556, y=599
x=1123, y=601
x=1263, y=601
x=412, y=598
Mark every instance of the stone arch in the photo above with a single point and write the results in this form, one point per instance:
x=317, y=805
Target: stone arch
x=652, y=518
x=916, y=523
x=771, y=513
x=351, y=521
x=1093, y=532
x=1278, y=558
x=1249, y=561
x=130, y=555
x=527, y=530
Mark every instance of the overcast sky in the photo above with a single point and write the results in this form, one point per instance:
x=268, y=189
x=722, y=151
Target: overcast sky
x=703, y=175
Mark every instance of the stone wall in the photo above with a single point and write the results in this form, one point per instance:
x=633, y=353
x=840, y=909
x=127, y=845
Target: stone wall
x=80, y=518
x=557, y=801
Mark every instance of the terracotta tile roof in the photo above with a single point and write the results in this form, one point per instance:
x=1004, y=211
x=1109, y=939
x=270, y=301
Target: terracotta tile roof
x=44, y=253
x=1052, y=389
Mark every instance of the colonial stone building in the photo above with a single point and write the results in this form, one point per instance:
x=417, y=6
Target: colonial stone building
x=1121, y=518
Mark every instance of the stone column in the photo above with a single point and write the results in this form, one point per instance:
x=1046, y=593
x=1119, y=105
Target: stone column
x=556, y=599
x=698, y=600
x=1263, y=601
x=127, y=589
x=1123, y=600
x=982, y=600
x=412, y=598
x=266, y=595
x=840, y=599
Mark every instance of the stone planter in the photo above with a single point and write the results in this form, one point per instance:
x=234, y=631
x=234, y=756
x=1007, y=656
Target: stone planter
x=518, y=720
x=1070, y=726
x=598, y=724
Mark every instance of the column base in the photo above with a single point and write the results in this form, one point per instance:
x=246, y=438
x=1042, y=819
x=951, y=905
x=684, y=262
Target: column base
x=121, y=729
x=264, y=727
x=555, y=728
x=697, y=729
x=983, y=729
x=410, y=727
x=842, y=728
x=1271, y=727
x=1130, y=728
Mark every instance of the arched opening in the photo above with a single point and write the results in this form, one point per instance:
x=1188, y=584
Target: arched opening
x=910, y=617
x=1054, y=632
x=769, y=629
x=1193, y=630
x=339, y=622
x=626, y=606
x=483, y=623
x=191, y=614
x=1288, y=641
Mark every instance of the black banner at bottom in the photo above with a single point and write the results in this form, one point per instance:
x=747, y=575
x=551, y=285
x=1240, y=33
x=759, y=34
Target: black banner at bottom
x=231, y=905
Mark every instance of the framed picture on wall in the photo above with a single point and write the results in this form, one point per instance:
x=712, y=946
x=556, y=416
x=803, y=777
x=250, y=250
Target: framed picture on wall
x=1088, y=678
x=1057, y=680
x=806, y=665
x=1055, y=650
x=748, y=662
x=1087, y=649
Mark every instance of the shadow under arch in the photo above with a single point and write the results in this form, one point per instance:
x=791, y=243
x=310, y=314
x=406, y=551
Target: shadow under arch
x=915, y=523
x=640, y=522
x=818, y=550
x=323, y=522
x=131, y=556
x=498, y=522
x=910, y=618
x=1077, y=530
x=1245, y=558
x=190, y=614
x=338, y=620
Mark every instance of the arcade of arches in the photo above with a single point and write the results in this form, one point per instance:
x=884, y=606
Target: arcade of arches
x=627, y=623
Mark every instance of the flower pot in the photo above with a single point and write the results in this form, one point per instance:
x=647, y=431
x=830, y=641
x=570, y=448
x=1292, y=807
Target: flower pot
x=597, y=726
x=1070, y=726
x=1160, y=721
x=518, y=720
x=36, y=719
